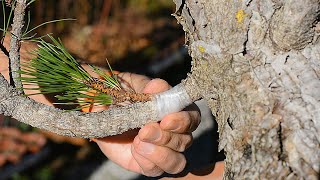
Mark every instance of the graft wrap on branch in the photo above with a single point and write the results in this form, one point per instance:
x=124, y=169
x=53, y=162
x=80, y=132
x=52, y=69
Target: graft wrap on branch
x=172, y=100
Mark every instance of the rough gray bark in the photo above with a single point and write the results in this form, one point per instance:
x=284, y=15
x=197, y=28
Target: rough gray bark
x=257, y=64
x=14, y=53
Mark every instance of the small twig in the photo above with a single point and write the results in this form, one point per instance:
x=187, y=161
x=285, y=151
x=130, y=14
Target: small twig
x=119, y=96
x=14, y=54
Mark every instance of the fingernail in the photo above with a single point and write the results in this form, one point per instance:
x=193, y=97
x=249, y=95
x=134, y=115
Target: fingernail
x=146, y=148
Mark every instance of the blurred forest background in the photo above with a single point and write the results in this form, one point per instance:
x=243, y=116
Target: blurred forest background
x=135, y=35
x=138, y=36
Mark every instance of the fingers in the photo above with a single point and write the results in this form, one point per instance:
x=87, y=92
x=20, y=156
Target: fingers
x=154, y=159
x=181, y=122
x=145, y=166
x=143, y=84
x=157, y=147
x=156, y=86
x=133, y=81
x=152, y=133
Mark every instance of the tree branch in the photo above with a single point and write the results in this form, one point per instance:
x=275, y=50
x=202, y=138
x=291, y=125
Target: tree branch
x=90, y=125
x=73, y=123
x=14, y=54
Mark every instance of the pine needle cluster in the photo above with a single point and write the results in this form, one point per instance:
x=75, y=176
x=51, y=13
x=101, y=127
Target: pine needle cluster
x=55, y=71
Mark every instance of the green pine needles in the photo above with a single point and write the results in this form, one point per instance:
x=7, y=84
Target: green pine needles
x=55, y=71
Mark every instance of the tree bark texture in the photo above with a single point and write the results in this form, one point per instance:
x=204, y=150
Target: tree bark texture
x=257, y=64
x=14, y=53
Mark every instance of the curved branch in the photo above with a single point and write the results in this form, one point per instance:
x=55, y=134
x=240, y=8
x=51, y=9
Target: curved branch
x=72, y=123
x=90, y=125
x=77, y=124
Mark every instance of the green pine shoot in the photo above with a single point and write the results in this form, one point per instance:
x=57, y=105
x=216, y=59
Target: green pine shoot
x=55, y=71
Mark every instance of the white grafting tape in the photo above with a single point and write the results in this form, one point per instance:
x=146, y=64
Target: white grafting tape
x=173, y=100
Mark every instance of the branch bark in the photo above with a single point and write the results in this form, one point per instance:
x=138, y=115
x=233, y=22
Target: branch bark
x=89, y=125
x=292, y=25
x=14, y=54
x=74, y=124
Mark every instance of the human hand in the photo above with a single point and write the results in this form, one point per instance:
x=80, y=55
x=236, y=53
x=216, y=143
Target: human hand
x=157, y=147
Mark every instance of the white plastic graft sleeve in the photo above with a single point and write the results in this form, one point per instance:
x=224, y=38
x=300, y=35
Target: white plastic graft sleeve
x=173, y=100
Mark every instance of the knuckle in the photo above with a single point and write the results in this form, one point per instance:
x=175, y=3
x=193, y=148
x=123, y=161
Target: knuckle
x=178, y=142
x=166, y=138
x=186, y=122
x=173, y=141
x=179, y=145
x=183, y=143
x=189, y=141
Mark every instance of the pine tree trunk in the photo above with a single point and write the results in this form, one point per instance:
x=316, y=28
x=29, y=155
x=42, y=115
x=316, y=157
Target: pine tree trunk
x=257, y=64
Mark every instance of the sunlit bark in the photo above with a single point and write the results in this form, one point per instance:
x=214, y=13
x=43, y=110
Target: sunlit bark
x=257, y=64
